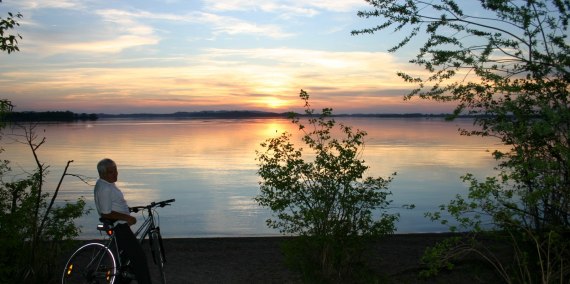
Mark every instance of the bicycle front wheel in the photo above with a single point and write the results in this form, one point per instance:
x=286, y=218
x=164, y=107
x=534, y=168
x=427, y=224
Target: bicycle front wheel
x=158, y=253
x=91, y=263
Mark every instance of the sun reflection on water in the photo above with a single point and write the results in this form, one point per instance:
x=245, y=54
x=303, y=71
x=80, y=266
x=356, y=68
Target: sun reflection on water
x=209, y=166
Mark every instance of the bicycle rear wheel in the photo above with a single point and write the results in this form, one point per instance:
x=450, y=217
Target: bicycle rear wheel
x=158, y=255
x=91, y=263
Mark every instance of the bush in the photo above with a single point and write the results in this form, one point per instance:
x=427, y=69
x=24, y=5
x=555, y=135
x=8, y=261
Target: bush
x=33, y=231
x=506, y=63
x=326, y=202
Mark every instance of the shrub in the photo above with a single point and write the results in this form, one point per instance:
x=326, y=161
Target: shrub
x=33, y=230
x=323, y=197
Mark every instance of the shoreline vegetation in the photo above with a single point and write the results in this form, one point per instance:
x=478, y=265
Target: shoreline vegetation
x=59, y=116
x=258, y=114
x=68, y=116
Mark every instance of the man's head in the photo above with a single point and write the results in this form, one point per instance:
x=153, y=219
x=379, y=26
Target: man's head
x=107, y=170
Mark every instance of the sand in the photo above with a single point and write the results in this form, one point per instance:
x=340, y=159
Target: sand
x=395, y=259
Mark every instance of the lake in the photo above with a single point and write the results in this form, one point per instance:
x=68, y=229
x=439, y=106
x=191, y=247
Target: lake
x=209, y=167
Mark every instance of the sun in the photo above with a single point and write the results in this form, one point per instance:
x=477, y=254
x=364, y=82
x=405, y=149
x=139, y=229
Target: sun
x=274, y=103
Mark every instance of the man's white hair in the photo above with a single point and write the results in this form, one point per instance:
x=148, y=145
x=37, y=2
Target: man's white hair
x=103, y=165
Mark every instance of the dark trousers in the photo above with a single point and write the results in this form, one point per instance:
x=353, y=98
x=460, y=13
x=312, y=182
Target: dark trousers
x=133, y=251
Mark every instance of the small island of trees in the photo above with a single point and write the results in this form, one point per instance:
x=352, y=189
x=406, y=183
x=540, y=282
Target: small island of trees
x=50, y=116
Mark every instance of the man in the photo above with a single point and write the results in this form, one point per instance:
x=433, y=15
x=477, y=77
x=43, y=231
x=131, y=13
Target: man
x=111, y=204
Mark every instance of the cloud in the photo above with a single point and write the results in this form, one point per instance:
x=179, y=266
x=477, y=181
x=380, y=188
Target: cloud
x=219, y=23
x=115, y=45
x=115, y=23
x=43, y=4
x=234, y=26
x=126, y=22
x=218, y=79
x=120, y=55
x=315, y=64
x=116, y=30
x=273, y=7
x=290, y=7
x=100, y=33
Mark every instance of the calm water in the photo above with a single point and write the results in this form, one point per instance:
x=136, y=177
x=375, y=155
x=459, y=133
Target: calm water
x=209, y=166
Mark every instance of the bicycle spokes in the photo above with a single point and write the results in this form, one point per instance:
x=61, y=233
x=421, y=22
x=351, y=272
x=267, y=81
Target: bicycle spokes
x=105, y=263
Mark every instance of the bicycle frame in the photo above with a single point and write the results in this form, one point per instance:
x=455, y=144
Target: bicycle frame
x=150, y=229
x=111, y=243
x=110, y=247
x=148, y=225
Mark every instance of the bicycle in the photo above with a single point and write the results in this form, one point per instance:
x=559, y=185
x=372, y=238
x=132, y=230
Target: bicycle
x=103, y=263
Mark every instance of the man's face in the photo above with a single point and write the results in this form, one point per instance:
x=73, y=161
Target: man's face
x=111, y=174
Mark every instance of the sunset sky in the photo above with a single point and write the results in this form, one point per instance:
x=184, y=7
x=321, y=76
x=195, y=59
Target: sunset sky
x=163, y=56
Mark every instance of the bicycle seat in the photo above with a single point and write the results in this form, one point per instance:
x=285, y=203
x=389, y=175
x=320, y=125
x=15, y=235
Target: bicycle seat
x=107, y=221
x=107, y=225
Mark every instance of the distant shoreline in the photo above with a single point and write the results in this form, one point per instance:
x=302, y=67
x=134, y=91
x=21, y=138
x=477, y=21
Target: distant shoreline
x=258, y=114
x=68, y=116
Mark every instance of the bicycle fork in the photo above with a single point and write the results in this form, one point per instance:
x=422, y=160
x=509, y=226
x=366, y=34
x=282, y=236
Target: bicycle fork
x=155, y=238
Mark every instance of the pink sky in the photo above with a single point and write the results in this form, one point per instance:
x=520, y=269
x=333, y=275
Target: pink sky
x=128, y=57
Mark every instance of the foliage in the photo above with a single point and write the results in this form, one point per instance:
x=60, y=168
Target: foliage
x=8, y=41
x=5, y=109
x=50, y=116
x=506, y=62
x=326, y=201
x=33, y=230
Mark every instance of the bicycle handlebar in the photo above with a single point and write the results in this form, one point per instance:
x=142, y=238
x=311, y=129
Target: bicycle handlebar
x=163, y=203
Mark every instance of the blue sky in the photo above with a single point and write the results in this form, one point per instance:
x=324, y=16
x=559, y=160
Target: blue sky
x=162, y=56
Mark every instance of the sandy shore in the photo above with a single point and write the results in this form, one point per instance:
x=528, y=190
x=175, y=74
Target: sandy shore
x=259, y=260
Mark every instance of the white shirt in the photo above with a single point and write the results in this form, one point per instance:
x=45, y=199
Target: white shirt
x=109, y=198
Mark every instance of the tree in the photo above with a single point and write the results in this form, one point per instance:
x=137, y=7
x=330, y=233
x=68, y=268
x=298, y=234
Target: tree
x=8, y=41
x=33, y=230
x=508, y=63
x=323, y=198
